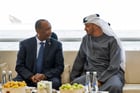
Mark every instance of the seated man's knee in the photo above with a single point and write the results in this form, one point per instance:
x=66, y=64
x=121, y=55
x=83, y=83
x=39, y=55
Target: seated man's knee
x=80, y=80
x=116, y=87
x=56, y=83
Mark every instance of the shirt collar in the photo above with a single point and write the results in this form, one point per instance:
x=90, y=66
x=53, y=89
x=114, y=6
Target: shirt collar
x=38, y=41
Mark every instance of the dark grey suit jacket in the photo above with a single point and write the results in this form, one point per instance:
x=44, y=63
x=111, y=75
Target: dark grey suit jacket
x=53, y=61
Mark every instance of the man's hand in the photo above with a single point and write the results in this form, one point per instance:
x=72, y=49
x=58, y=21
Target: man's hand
x=33, y=79
x=38, y=77
x=99, y=83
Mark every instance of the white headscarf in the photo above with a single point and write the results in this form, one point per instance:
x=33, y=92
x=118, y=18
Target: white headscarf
x=95, y=18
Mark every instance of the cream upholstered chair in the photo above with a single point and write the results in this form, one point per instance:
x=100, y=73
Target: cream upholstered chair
x=132, y=72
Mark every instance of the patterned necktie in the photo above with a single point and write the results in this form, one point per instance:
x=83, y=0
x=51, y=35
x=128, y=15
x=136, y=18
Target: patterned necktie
x=40, y=58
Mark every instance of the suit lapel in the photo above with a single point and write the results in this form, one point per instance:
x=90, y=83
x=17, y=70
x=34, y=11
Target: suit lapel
x=34, y=50
x=47, y=47
x=34, y=43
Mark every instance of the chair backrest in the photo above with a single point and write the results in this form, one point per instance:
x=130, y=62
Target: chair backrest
x=8, y=61
x=132, y=71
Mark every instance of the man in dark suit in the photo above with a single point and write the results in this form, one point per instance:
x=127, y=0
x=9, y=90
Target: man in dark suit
x=52, y=64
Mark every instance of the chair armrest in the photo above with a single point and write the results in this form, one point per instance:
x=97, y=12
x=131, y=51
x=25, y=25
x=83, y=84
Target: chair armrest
x=65, y=77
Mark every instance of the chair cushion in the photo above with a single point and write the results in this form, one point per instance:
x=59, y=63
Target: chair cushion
x=131, y=88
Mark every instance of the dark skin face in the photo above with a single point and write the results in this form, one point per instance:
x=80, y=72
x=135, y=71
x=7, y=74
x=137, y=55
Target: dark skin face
x=44, y=32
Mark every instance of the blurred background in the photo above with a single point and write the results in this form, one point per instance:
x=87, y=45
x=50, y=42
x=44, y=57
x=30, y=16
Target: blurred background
x=17, y=19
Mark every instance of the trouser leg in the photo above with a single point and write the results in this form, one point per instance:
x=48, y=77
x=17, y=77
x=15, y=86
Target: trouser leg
x=113, y=85
x=56, y=83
